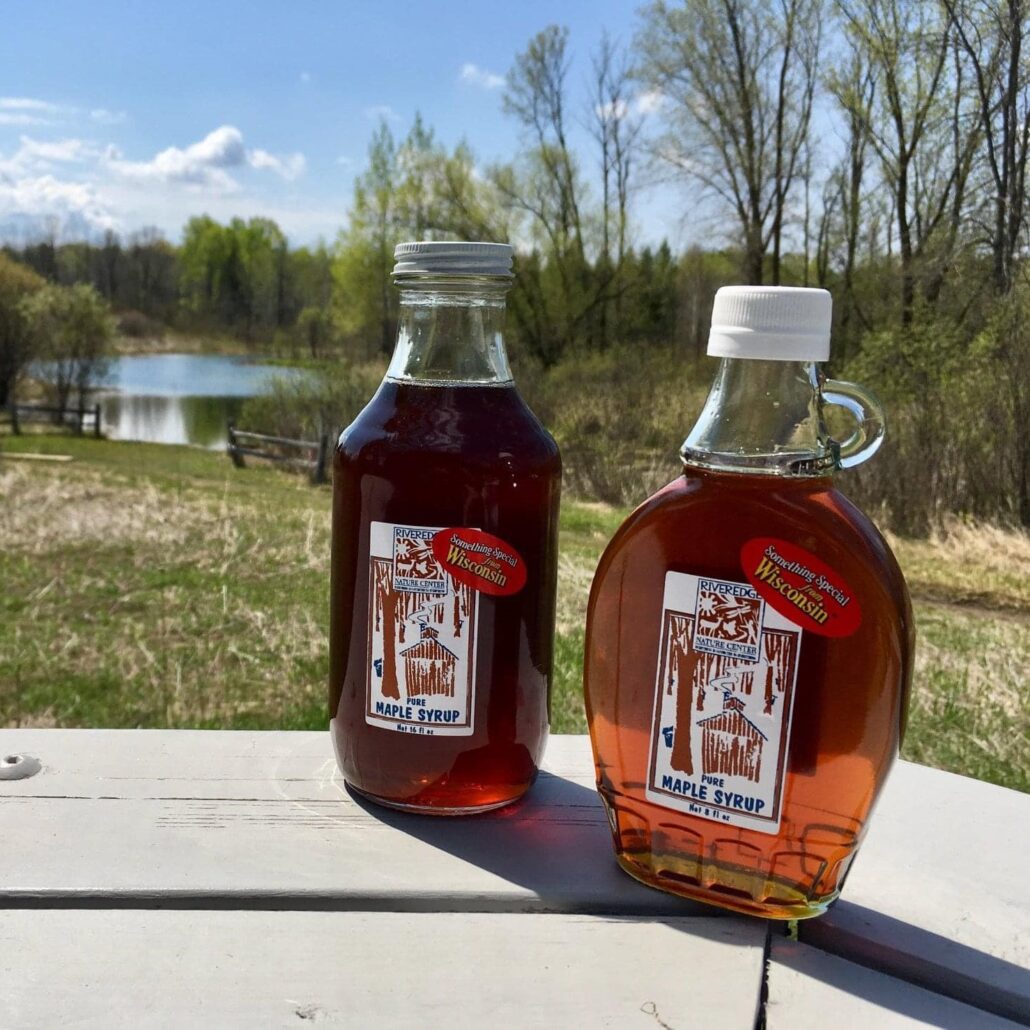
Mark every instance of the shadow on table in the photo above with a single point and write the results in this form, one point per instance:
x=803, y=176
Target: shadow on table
x=929, y=960
x=555, y=843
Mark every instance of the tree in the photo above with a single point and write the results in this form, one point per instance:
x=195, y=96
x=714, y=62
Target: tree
x=617, y=132
x=739, y=78
x=314, y=324
x=990, y=35
x=203, y=259
x=72, y=328
x=557, y=294
x=363, y=302
x=152, y=274
x=17, y=341
x=854, y=87
x=915, y=125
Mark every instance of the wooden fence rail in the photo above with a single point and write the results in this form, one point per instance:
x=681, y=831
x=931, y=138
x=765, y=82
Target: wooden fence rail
x=241, y=445
x=17, y=414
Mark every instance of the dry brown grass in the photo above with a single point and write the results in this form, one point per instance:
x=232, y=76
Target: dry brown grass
x=41, y=509
x=176, y=591
x=964, y=561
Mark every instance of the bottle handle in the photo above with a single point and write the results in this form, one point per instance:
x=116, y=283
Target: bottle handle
x=867, y=411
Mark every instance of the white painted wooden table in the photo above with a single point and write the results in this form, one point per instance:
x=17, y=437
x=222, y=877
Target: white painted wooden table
x=178, y=879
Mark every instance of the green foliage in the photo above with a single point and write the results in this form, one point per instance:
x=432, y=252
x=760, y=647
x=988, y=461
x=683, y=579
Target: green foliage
x=619, y=419
x=17, y=342
x=240, y=274
x=958, y=410
x=323, y=400
x=72, y=328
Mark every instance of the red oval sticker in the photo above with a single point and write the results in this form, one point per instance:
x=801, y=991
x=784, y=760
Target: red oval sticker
x=480, y=560
x=801, y=587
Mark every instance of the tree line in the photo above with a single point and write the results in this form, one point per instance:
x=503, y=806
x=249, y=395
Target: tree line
x=877, y=148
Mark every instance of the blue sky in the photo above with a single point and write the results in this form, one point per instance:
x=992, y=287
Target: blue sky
x=135, y=114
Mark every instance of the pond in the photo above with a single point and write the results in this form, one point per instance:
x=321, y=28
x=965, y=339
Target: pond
x=180, y=398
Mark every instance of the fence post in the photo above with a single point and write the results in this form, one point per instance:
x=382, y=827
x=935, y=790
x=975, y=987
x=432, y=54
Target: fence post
x=15, y=428
x=82, y=417
x=234, y=455
x=318, y=472
x=96, y=420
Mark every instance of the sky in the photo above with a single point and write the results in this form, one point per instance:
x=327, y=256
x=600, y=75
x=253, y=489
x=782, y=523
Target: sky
x=126, y=115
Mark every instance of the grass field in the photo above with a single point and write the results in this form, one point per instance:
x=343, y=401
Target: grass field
x=158, y=586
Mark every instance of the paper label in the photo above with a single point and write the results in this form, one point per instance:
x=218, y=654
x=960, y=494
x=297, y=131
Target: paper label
x=421, y=636
x=484, y=561
x=801, y=586
x=723, y=701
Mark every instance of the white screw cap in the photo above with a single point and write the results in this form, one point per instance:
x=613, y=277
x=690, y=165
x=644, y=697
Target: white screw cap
x=772, y=323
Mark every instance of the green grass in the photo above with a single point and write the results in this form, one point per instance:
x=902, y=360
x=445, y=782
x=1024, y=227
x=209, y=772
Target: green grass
x=159, y=586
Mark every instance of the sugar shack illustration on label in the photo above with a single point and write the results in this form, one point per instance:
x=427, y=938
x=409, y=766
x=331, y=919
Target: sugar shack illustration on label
x=422, y=632
x=723, y=701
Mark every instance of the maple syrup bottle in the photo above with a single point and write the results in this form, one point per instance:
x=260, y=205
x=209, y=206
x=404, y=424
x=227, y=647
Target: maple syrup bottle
x=749, y=635
x=444, y=554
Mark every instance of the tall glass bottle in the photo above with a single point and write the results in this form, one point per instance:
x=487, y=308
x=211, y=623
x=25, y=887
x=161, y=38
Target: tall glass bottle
x=445, y=517
x=749, y=634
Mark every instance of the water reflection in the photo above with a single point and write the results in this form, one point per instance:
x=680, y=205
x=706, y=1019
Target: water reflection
x=200, y=421
x=177, y=398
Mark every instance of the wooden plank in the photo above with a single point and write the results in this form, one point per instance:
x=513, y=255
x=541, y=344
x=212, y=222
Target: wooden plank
x=938, y=895
x=29, y=456
x=309, y=444
x=810, y=990
x=251, y=452
x=148, y=969
x=262, y=820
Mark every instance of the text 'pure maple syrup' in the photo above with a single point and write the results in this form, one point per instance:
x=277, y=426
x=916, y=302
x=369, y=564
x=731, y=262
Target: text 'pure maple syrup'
x=749, y=635
x=445, y=518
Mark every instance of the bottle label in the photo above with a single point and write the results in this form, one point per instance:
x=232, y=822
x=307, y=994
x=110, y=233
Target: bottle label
x=483, y=561
x=801, y=586
x=723, y=701
x=421, y=636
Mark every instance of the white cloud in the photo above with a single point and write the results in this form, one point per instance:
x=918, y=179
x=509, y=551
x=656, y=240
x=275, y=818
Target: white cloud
x=289, y=166
x=480, y=77
x=27, y=111
x=105, y=117
x=201, y=164
x=62, y=150
x=85, y=187
x=33, y=157
x=305, y=76
x=206, y=164
x=345, y=161
x=384, y=111
x=31, y=200
x=20, y=118
x=32, y=111
x=649, y=101
x=27, y=104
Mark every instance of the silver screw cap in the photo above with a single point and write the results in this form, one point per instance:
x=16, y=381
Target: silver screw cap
x=447, y=257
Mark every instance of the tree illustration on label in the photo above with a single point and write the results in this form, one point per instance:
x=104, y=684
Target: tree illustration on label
x=682, y=666
x=386, y=601
x=780, y=650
